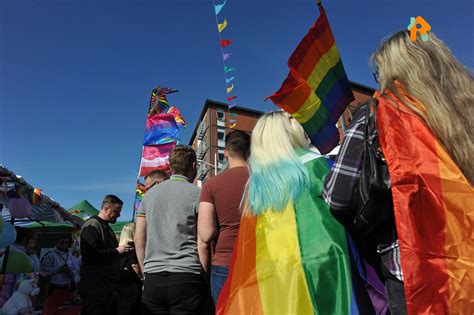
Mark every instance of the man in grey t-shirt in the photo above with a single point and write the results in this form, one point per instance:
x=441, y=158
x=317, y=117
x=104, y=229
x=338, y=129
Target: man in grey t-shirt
x=166, y=240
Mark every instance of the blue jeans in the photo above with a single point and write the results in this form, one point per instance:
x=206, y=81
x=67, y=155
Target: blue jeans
x=218, y=277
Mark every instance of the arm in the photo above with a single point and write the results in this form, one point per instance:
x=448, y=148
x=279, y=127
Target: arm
x=207, y=231
x=47, y=264
x=140, y=239
x=204, y=251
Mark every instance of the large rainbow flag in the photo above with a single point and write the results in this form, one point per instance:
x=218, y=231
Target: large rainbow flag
x=434, y=211
x=293, y=262
x=317, y=90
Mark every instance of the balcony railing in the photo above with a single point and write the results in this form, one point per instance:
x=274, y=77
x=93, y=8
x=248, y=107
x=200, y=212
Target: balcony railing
x=202, y=171
x=202, y=130
x=202, y=149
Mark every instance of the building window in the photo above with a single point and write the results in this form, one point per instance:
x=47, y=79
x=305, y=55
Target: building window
x=220, y=119
x=220, y=135
x=220, y=116
x=220, y=157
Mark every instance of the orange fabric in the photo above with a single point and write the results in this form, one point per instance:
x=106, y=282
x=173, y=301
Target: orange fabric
x=228, y=304
x=433, y=205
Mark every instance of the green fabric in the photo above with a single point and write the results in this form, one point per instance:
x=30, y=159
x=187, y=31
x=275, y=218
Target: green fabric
x=117, y=226
x=85, y=210
x=18, y=263
x=323, y=247
x=46, y=224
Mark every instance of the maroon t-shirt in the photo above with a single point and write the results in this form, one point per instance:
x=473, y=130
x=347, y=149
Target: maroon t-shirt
x=225, y=192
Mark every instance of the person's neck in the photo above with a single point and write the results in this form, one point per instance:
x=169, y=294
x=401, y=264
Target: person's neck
x=176, y=174
x=236, y=162
x=102, y=216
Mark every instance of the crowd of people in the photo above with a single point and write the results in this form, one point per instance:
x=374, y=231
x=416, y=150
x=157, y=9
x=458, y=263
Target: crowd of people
x=281, y=208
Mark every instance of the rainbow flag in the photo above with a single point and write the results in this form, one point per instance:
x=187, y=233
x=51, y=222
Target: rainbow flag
x=316, y=91
x=158, y=101
x=434, y=211
x=155, y=157
x=177, y=115
x=160, y=129
x=293, y=262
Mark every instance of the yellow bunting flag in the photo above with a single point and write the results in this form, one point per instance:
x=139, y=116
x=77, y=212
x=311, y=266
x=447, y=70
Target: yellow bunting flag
x=222, y=26
x=230, y=88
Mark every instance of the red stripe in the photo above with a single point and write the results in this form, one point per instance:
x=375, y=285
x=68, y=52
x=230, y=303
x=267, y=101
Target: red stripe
x=292, y=93
x=418, y=205
x=314, y=45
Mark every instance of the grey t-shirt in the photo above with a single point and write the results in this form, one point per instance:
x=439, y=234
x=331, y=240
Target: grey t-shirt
x=170, y=209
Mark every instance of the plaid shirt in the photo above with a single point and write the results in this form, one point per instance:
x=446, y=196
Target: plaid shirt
x=341, y=182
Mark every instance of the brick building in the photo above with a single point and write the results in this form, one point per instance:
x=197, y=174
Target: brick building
x=214, y=122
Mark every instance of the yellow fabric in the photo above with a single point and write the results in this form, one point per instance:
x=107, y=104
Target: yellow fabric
x=277, y=248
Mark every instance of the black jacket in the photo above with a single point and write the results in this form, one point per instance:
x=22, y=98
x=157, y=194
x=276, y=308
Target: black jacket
x=98, y=250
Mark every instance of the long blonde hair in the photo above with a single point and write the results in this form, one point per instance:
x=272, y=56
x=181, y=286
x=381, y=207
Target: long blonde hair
x=431, y=74
x=276, y=174
x=127, y=233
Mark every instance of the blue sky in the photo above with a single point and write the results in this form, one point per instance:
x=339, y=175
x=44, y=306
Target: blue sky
x=76, y=76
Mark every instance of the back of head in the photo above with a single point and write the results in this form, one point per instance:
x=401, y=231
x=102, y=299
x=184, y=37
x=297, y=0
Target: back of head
x=237, y=144
x=155, y=176
x=182, y=159
x=431, y=74
x=276, y=174
x=127, y=234
x=111, y=200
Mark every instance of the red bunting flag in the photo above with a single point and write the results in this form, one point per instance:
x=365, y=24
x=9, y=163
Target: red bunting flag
x=225, y=42
x=231, y=98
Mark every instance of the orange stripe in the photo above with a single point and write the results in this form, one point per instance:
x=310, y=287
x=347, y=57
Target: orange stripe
x=244, y=295
x=318, y=49
x=458, y=200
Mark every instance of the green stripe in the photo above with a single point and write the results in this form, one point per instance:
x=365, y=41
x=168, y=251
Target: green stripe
x=316, y=121
x=313, y=125
x=323, y=245
x=335, y=74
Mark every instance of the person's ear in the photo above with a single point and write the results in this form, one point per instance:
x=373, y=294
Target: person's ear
x=226, y=154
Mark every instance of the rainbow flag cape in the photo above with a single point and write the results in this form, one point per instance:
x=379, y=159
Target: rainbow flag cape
x=155, y=157
x=316, y=91
x=434, y=212
x=292, y=262
x=160, y=129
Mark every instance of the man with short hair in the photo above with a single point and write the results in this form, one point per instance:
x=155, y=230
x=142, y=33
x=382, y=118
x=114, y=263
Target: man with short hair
x=100, y=268
x=219, y=214
x=167, y=243
x=155, y=177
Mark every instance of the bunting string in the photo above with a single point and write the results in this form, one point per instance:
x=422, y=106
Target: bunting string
x=229, y=72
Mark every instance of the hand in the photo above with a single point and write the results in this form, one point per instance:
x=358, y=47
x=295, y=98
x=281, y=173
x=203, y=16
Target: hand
x=65, y=269
x=124, y=249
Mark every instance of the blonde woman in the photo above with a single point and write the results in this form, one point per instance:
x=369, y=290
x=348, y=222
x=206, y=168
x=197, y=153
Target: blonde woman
x=129, y=288
x=291, y=256
x=423, y=110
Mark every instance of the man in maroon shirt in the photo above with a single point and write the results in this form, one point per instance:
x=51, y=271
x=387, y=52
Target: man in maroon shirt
x=219, y=213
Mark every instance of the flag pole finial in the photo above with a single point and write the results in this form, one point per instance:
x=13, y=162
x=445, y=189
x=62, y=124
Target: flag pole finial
x=319, y=3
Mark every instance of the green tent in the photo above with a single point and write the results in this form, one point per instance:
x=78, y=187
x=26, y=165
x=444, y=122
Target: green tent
x=117, y=226
x=83, y=210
